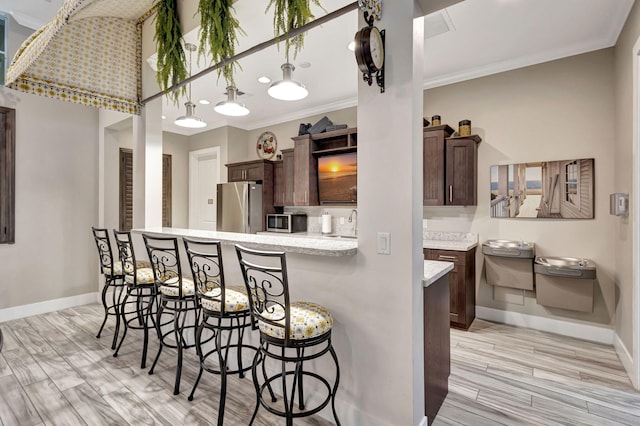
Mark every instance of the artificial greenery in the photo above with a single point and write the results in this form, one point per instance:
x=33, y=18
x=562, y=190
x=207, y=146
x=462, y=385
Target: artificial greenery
x=218, y=34
x=288, y=15
x=171, y=58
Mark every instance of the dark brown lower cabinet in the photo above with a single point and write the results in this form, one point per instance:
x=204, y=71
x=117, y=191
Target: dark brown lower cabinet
x=437, y=359
x=462, y=284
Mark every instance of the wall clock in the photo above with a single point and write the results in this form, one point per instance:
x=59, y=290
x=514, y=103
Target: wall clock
x=267, y=145
x=369, y=52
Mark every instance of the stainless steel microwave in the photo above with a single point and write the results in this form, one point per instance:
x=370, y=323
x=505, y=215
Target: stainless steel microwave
x=287, y=222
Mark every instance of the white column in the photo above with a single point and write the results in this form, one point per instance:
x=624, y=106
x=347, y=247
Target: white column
x=147, y=170
x=390, y=201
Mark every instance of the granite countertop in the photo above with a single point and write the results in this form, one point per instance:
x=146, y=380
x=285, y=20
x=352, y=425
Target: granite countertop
x=457, y=241
x=433, y=270
x=282, y=242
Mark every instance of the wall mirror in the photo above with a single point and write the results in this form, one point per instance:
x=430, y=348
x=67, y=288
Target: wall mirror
x=543, y=190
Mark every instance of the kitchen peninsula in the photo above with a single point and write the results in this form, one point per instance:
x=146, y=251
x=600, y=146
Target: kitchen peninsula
x=313, y=263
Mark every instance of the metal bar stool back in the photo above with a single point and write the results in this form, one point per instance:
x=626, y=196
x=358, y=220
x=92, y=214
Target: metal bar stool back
x=178, y=300
x=291, y=333
x=113, y=280
x=136, y=309
x=225, y=312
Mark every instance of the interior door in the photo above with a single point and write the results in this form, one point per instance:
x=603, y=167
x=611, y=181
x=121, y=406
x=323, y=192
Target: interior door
x=207, y=179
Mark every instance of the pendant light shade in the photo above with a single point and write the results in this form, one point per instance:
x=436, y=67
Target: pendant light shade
x=231, y=106
x=189, y=120
x=287, y=89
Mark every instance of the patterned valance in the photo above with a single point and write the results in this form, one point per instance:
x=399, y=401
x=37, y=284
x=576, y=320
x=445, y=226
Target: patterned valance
x=90, y=53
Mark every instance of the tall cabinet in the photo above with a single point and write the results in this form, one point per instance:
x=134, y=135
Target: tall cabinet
x=450, y=167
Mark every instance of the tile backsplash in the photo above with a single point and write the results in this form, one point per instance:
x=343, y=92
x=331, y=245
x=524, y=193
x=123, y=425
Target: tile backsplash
x=339, y=219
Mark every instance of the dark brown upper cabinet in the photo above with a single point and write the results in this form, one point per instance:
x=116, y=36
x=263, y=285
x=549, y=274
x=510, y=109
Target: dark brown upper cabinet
x=450, y=167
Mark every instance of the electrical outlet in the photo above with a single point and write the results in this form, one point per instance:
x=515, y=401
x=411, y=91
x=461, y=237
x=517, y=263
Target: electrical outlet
x=342, y=221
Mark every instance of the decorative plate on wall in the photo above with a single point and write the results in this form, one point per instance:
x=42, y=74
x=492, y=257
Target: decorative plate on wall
x=267, y=145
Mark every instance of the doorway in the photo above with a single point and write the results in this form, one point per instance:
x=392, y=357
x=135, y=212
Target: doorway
x=204, y=176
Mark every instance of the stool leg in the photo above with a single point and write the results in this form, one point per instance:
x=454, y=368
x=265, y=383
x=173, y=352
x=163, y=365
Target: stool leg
x=107, y=283
x=264, y=374
x=300, y=375
x=254, y=374
x=222, y=361
x=124, y=320
x=117, y=300
x=161, y=307
x=240, y=338
x=335, y=386
x=287, y=406
x=145, y=329
x=200, y=355
x=179, y=337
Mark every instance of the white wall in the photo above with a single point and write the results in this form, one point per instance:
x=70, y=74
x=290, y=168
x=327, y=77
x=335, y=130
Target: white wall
x=553, y=111
x=54, y=255
x=625, y=148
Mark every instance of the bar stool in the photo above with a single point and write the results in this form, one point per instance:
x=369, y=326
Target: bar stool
x=113, y=280
x=287, y=330
x=177, y=299
x=140, y=286
x=205, y=260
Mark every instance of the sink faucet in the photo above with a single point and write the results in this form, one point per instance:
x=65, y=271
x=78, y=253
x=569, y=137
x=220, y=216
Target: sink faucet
x=354, y=219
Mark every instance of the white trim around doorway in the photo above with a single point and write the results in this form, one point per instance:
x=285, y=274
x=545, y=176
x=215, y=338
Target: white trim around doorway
x=193, y=177
x=635, y=219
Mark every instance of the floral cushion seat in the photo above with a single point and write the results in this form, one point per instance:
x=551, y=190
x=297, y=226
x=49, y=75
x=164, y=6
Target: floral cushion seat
x=117, y=267
x=236, y=299
x=171, y=287
x=144, y=276
x=308, y=320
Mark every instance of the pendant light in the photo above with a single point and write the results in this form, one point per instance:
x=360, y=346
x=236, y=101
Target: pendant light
x=287, y=89
x=190, y=120
x=231, y=106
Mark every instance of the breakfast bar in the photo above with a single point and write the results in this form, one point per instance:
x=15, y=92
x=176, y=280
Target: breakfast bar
x=314, y=265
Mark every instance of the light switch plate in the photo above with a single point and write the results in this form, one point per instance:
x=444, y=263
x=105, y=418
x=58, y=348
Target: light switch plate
x=384, y=243
x=342, y=221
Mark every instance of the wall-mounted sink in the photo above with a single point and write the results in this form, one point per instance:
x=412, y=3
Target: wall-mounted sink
x=574, y=267
x=509, y=248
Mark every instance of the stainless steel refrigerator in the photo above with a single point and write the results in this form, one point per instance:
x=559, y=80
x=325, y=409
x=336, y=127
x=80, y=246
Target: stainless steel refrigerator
x=239, y=207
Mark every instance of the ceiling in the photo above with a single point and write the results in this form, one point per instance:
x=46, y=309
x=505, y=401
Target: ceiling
x=467, y=40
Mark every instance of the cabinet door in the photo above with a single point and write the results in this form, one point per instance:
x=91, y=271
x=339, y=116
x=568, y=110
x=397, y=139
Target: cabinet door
x=288, y=167
x=254, y=172
x=278, y=184
x=458, y=301
x=433, y=153
x=461, y=164
x=235, y=173
x=305, y=175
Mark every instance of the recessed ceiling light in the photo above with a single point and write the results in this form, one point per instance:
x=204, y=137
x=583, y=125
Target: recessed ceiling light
x=304, y=64
x=352, y=46
x=164, y=117
x=264, y=79
x=204, y=102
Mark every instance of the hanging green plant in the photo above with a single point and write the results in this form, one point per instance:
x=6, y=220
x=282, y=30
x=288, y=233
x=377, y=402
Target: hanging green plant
x=288, y=15
x=218, y=34
x=168, y=37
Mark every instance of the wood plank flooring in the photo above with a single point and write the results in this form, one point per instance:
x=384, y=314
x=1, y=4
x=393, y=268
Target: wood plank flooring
x=54, y=371
x=503, y=375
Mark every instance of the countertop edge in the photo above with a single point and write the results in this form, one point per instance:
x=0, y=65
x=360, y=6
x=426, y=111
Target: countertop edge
x=434, y=270
x=307, y=246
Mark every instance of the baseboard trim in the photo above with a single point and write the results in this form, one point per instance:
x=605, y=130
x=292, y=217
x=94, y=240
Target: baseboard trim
x=625, y=358
x=17, y=312
x=593, y=333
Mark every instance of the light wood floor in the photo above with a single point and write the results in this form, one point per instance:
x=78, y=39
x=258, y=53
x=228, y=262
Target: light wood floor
x=503, y=375
x=54, y=371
